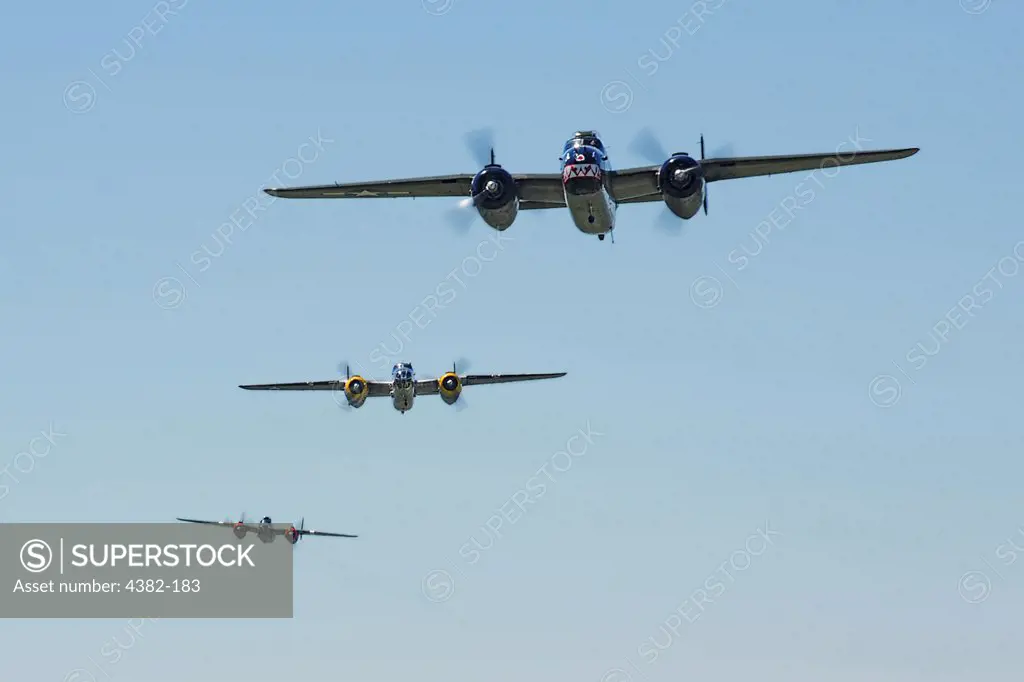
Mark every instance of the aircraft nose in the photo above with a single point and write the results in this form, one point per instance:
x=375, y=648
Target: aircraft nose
x=582, y=155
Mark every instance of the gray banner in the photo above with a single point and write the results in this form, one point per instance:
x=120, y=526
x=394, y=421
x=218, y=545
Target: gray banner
x=142, y=570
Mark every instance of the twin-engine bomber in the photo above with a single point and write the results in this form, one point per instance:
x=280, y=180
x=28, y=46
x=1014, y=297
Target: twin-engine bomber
x=587, y=185
x=403, y=386
x=266, y=530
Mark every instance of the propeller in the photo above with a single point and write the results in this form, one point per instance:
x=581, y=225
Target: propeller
x=339, y=393
x=302, y=527
x=460, y=219
x=702, y=161
x=647, y=146
x=668, y=222
x=463, y=364
x=718, y=152
x=480, y=144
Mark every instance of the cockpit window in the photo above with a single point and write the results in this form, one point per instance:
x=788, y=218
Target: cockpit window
x=584, y=141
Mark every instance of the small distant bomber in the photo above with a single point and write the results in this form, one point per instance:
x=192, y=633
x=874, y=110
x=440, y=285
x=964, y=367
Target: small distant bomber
x=267, y=531
x=403, y=386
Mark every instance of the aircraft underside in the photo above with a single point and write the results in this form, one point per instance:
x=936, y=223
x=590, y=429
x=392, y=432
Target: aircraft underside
x=402, y=397
x=593, y=213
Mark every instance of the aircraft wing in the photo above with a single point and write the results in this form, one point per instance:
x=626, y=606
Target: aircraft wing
x=431, y=386
x=534, y=205
x=637, y=185
x=374, y=389
x=542, y=187
x=481, y=379
x=227, y=524
x=324, y=533
x=427, y=387
x=753, y=166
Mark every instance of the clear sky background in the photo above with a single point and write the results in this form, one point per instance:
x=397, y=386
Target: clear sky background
x=757, y=404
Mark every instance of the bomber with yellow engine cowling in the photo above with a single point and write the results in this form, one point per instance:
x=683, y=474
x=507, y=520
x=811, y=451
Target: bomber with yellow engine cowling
x=403, y=386
x=356, y=391
x=449, y=387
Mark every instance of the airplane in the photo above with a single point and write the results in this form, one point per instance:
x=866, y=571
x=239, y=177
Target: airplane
x=266, y=531
x=587, y=184
x=403, y=386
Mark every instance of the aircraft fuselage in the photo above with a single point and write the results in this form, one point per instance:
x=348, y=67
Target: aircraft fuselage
x=403, y=387
x=587, y=185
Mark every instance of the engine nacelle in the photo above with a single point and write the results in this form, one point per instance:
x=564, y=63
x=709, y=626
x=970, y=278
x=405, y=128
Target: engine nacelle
x=449, y=387
x=499, y=203
x=681, y=182
x=356, y=391
x=239, y=531
x=291, y=535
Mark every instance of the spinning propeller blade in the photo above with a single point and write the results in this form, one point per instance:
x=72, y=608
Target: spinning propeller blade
x=460, y=218
x=668, y=222
x=647, y=146
x=481, y=147
x=461, y=365
x=480, y=143
x=339, y=395
x=720, y=151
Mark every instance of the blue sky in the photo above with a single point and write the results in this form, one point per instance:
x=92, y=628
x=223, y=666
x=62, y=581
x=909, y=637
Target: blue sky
x=783, y=392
